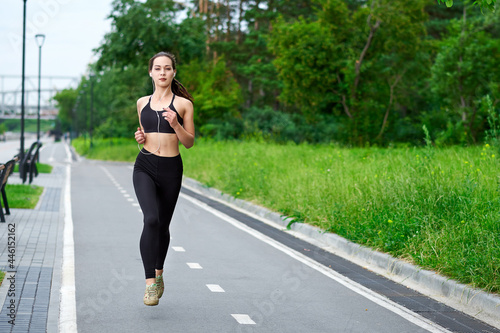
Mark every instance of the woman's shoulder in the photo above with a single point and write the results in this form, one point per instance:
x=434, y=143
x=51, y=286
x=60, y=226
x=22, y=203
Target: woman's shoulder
x=143, y=99
x=184, y=102
x=141, y=102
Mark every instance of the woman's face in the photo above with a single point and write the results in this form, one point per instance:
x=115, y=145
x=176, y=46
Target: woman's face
x=163, y=71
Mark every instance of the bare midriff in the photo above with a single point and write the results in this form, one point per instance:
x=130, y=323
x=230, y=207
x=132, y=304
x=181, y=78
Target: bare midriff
x=169, y=144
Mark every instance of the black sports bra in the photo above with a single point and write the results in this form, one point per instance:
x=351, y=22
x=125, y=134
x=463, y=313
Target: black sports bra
x=149, y=119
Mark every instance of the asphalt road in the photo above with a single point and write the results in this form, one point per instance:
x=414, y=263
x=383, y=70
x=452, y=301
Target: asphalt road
x=219, y=277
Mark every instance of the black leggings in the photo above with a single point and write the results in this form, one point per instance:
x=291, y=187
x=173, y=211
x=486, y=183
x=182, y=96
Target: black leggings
x=157, y=182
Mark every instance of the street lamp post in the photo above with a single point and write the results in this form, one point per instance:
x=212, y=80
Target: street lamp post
x=83, y=93
x=40, y=38
x=91, y=107
x=21, y=152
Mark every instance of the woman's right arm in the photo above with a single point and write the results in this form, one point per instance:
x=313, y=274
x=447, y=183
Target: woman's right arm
x=139, y=134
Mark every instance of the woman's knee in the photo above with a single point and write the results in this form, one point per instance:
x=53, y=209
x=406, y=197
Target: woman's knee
x=151, y=222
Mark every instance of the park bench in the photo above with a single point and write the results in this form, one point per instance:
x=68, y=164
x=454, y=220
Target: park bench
x=5, y=171
x=27, y=167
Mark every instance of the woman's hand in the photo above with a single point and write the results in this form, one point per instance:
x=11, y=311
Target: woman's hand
x=171, y=117
x=139, y=136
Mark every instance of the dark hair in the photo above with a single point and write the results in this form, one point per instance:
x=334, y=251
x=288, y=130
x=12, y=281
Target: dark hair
x=177, y=87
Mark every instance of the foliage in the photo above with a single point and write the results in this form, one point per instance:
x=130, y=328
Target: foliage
x=490, y=4
x=140, y=30
x=466, y=67
x=356, y=70
x=216, y=93
x=66, y=100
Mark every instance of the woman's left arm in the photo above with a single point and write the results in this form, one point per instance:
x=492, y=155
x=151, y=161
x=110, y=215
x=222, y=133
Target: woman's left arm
x=186, y=133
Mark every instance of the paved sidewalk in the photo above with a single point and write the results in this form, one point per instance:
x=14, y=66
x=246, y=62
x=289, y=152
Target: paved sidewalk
x=30, y=291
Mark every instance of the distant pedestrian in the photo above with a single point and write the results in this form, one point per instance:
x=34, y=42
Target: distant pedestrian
x=165, y=118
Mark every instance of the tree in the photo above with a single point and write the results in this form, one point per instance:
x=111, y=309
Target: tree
x=66, y=100
x=216, y=93
x=465, y=70
x=139, y=30
x=350, y=61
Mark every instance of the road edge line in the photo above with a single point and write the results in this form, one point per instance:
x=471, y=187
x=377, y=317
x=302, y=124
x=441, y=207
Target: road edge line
x=67, y=313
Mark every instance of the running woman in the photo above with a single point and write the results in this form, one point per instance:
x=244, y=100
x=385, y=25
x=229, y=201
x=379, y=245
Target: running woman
x=165, y=118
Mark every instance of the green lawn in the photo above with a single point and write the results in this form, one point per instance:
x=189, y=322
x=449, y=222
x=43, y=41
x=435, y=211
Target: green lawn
x=30, y=125
x=2, y=275
x=41, y=167
x=23, y=196
x=437, y=208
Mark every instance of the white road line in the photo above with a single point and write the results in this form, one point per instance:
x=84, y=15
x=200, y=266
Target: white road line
x=194, y=265
x=123, y=191
x=135, y=204
x=126, y=195
x=243, y=319
x=348, y=283
x=178, y=249
x=67, y=314
x=215, y=288
x=130, y=199
x=140, y=210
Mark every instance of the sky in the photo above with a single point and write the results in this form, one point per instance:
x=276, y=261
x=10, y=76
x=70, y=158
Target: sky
x=72, y=28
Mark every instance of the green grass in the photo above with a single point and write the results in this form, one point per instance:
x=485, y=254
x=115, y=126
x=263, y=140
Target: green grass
x=437, y=208
x=41, y=167
x=30, y=125
x=2, y=275
x=23, y=196
x=120, y=149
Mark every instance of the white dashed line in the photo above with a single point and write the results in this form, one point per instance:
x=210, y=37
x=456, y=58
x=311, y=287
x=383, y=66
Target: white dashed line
x=243, y=319
x=135, y=204
x=123, y=191
x=178, y=249
x=215, y=288
x=194, y=265
x=140, y=210
x=126, y=195
x=130, y=199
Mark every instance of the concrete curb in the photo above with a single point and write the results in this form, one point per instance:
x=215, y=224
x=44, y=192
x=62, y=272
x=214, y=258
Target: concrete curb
x=474, y=302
